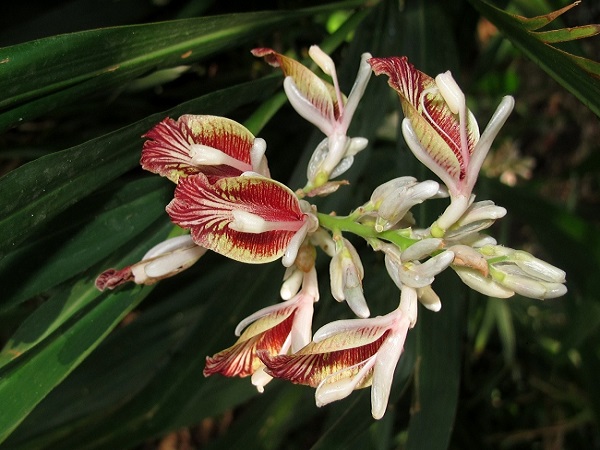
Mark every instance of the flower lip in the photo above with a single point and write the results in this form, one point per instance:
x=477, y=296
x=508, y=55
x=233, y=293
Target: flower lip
x=215, y=146
x=251, y=219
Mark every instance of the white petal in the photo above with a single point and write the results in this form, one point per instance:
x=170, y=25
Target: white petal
x=421, y=249
x=173, y=262
x=305, y=108
x=291, y=285
x=484, y=285
x=170, y=245
x=383, y=373
x=330, y=392
x=260, y=378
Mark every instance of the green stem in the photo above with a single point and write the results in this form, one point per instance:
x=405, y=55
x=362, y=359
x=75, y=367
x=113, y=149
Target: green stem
x=346, y=223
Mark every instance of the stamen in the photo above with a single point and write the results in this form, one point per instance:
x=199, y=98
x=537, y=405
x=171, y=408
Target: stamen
x=247, y=222
x=328, y=66
x=203, y=155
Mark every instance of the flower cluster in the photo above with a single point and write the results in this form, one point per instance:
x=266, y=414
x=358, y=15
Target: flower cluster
x=227, y=200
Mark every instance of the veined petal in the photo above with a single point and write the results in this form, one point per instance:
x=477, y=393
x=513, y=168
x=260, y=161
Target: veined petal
x=168, y=150
x=208, y=210
x=241, y=358
x=314, y=363
x=317, y=92
x=436, y=127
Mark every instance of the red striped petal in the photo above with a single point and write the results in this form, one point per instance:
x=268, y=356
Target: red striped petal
x=207, y=210
x=167, y=150
x=317, y=91
x=241, y=359
x=310, y=365
x=437, y=128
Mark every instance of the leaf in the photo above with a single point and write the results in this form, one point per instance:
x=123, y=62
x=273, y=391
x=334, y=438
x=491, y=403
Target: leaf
x=568, y=34
x=86, y=233
x=24, y=383
x=40, y=75
x=437, y=372
x=580, y=76
x=195, y=319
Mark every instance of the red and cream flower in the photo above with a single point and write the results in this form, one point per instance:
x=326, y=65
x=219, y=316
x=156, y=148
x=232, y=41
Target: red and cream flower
x=273, y=330
x=346, y=355
x=323, y=105
x=215, y=146
x=249, y=218
x=441, y=132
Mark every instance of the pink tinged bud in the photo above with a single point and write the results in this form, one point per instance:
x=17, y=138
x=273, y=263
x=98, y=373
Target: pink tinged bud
x=162, y=261
x=215, y=146
x=248, y=218
x=346, y=275
x=465, y=256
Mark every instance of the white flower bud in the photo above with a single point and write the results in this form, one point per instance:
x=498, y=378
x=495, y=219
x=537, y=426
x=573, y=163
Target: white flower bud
x=346, y=273
x=485, y=285
x=421, y=249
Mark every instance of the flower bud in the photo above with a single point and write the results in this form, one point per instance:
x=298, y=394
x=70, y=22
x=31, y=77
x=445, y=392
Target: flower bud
x=346, y=274
x=485, y=285
x=393, y=200
x=421, y=249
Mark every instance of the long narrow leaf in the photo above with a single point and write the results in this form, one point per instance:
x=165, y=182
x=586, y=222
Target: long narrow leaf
x=578, y=75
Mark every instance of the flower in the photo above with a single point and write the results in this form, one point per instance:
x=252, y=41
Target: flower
x=215, y=146
x=441, y=132
x=272, y=330
x=346, y=355
x=162, y=261
x=323, y=105
x=251, y=219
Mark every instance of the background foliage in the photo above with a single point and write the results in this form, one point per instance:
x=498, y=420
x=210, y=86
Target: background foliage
x=82, y=80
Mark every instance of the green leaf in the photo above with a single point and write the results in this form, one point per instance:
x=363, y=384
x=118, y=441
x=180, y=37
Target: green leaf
x=568, y=34
x=437, y=371
x=86, y=233
x=41, y=75
x=155, y=381
x=578, y=75
x=25, y=382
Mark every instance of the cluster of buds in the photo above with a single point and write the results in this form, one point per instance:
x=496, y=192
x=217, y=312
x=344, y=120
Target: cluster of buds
x=229, y=203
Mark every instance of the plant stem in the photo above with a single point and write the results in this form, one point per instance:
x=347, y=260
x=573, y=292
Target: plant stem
x=346, y=223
